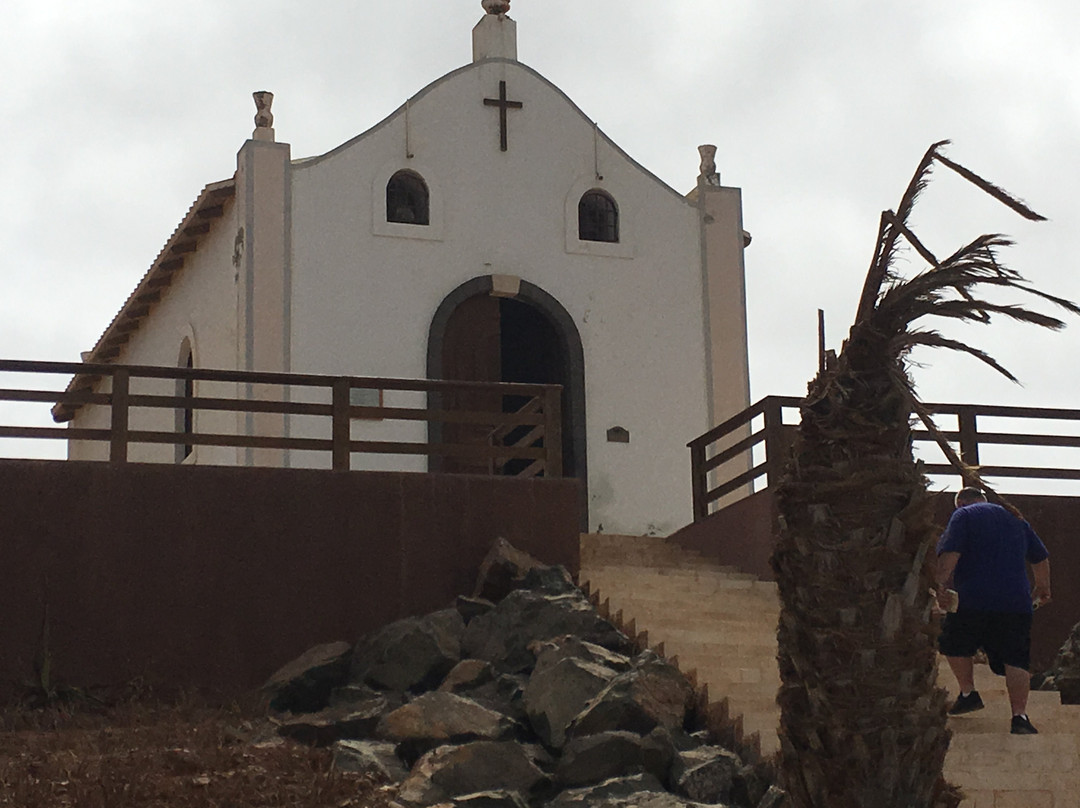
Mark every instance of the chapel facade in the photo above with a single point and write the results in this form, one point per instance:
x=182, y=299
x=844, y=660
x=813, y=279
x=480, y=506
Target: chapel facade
x=487, y=229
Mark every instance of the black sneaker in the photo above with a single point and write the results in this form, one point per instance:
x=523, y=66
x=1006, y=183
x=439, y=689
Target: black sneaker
x=967, y=704
x=1021, y=726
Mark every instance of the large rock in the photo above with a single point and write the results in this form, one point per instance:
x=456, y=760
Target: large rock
x=615, y=788
x=370, y=757
x=454, y=771
x=355, y=720
x=491, y=799
x=653, y=693
x=707, y=774
x=468, y=675
x=411, y=654
x=304, y=685
x=553, y=651
x=438, y=718
x=1064, y=674
x=503, y=570
x=595, y=758
x=503, y=635
x=557, y=692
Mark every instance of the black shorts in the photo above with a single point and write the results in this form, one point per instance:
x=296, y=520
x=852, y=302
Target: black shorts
x=1005, y=636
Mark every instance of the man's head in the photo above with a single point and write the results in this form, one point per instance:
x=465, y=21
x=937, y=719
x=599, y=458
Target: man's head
x=968, y=496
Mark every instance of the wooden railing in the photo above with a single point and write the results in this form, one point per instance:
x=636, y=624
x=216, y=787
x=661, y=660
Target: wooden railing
x=724, y=462
x=538, y=452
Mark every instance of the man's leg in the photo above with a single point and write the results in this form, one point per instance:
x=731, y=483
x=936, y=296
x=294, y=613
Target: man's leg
x=1018, y=682
x=963, y=669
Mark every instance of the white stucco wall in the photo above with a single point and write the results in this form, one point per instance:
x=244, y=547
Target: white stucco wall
x=200, y=305
x=362, y=300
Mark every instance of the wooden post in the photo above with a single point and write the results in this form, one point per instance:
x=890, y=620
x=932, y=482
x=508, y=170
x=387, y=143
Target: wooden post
x=776, y=447
x=118, y=406
x=969, y=438
x=821, y=340
x=553, y=460
x=340, y=431
x=698, y=480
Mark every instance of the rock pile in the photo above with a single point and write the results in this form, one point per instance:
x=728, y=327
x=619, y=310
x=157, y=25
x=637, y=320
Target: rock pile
x=522, y=695
x=1064, y=674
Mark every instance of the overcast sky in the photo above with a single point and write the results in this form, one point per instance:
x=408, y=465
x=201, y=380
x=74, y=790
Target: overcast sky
x=114, y=114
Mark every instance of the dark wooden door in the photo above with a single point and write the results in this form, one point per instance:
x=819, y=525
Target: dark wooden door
x=471, y=351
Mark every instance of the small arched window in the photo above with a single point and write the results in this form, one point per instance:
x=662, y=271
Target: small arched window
x=185, y=415
x=407, y=199
x=598, y=217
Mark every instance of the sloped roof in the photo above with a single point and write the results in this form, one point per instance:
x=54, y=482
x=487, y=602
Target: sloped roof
x=208, y=207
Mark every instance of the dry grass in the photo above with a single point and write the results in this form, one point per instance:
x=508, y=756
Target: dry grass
x=142, y=753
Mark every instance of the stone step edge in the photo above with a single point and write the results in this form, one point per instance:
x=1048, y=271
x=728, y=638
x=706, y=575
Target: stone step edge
x=722, y=721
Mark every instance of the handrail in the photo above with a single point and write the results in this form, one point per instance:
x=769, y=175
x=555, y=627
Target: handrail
x=735, y=440
x=541, y=415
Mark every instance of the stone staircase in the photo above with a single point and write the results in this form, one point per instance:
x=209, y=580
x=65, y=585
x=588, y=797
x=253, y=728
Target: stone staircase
x=721, y=623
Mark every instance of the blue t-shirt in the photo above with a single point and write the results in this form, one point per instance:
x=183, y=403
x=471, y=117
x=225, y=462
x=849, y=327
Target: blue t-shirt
x=993, y=545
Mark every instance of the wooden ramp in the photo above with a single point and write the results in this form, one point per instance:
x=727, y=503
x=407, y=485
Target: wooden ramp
x=723, y=624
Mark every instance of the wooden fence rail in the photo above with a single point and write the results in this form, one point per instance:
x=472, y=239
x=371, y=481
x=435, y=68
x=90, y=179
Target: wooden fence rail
x=540, y=418
x=723, y=460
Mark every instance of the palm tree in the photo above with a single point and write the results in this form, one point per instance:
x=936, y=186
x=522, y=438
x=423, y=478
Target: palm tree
x=862, y=718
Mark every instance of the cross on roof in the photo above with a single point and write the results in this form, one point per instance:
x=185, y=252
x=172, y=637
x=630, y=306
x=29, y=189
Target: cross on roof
x=503, y=105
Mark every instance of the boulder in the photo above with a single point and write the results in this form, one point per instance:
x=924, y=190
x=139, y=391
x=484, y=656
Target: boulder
x=436, y=718
x=454, y=771
x=469, y=608
x=558, y=692
x=491, y=799
x=773, y=798
x=503, y=635
x=706, y=774
x=606, y=755
x=551, y=652
x=369, y=757
x=467, y=675
x=411, y=654
x=550, y=580
x=304, y=685
x=616, y=787
x=503, y=695
x=653, y=693
x=358, y=720
x=503, y=570
x=1064, y=674
x=355, y=694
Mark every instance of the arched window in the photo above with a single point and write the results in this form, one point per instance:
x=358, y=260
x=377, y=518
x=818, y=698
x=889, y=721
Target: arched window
x=598, y=217
x=185, y=415
x=407, y=199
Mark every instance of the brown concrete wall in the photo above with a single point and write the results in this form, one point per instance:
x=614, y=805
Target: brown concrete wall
x=742, y=536
x=213, y=577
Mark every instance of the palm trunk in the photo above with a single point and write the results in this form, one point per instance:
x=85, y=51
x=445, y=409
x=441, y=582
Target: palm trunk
x=863, y=722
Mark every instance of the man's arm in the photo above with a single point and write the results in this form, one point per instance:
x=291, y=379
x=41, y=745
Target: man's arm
x=946, y=564
x=1041, y=593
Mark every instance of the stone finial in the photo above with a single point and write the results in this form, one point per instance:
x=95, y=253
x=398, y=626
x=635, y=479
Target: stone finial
x=264, y=118
x=495, y=6
x=709, y=174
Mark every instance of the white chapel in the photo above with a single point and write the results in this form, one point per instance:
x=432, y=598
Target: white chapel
x=486, y=229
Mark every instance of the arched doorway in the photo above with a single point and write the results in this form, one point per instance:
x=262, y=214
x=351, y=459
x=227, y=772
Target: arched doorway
x=479, y=335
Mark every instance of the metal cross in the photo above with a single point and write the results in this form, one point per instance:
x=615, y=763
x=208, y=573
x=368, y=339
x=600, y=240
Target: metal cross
x=503, y=105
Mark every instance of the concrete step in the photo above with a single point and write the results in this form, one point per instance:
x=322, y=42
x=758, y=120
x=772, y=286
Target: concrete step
x=724, y=627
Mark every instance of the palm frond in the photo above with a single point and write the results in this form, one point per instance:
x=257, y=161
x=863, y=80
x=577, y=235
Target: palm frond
x=998, y=193
x=911, y=238
x=934, y=339
x=973, y=310
x=885, y=248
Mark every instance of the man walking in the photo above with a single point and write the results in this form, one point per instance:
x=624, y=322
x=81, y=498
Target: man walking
x=983, y=556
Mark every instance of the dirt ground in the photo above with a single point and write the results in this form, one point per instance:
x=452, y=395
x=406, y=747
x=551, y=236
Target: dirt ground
x=142, y=752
